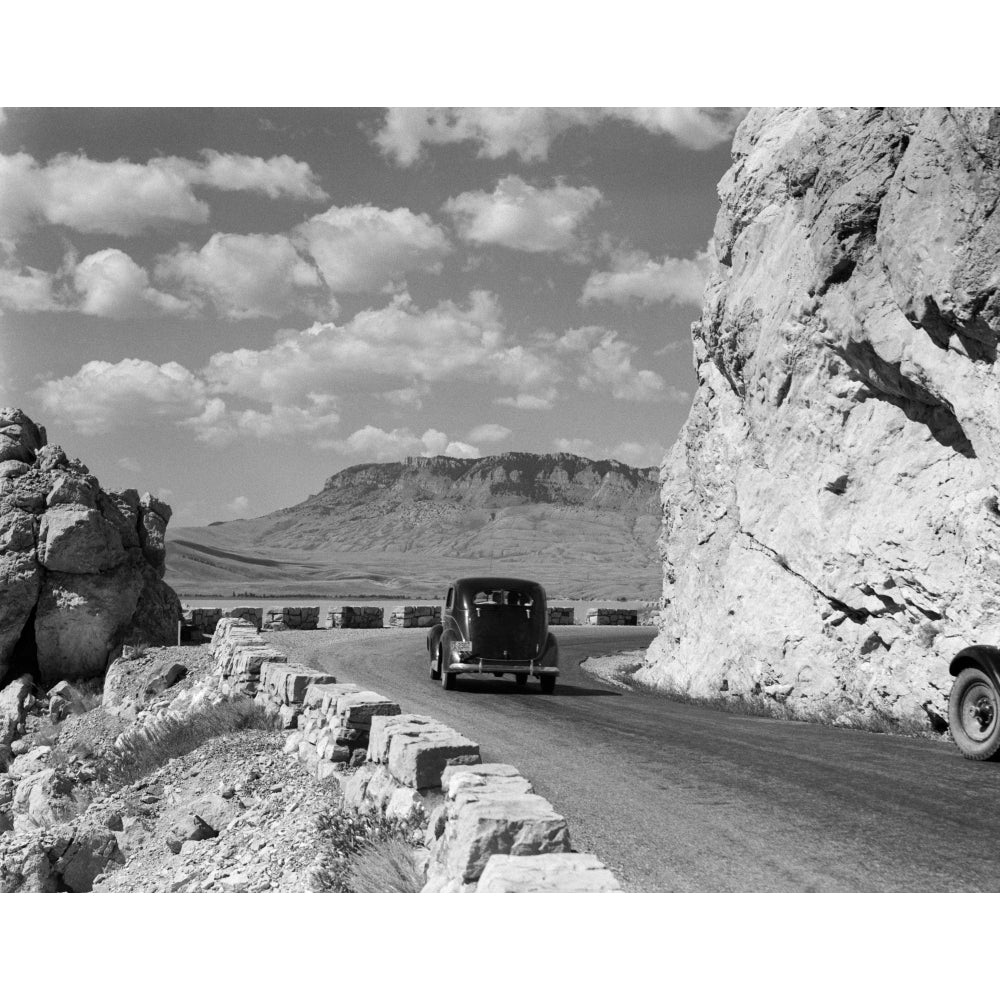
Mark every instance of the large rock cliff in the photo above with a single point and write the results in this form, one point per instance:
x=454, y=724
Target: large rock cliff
x=80, y=568
x=831, y=523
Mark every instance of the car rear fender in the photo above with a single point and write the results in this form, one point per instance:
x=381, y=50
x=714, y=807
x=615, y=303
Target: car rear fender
x=434, y=639
x=986, y=658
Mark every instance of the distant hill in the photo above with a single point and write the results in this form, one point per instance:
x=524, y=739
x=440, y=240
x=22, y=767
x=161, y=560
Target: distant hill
x=585, y=528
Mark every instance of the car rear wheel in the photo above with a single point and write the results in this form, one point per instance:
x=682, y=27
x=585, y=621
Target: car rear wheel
x=974, y=715
x=436, y=664
x=448, y=680
x=548, y=683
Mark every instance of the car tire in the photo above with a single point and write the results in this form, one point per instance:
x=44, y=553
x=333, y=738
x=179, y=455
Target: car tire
x=520, y=680
x=548, y=682
x=974, y=715
x=448, y=680
x=436, y=664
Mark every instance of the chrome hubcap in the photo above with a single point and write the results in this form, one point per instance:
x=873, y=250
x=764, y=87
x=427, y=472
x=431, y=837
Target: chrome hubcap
x=979, y=712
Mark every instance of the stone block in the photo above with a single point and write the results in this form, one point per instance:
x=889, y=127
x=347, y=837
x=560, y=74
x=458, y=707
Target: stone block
x=499, y=824
x=358, y=708
x=384, y=727
x=467, y=783
x=405, y=805
x=419, y=761
x=318, y=691
x=546, y=873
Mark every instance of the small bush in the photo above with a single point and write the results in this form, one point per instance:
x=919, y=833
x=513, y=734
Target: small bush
x=388, y=866
x=145, y=749
x=355, y=854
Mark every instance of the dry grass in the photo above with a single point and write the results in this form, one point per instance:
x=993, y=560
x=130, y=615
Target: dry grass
x=844, y=714
x=388, y=866
x=364, y=853
x=145, y=749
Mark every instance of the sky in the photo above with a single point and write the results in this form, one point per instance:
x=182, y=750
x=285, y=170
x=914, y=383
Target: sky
x=225, y=307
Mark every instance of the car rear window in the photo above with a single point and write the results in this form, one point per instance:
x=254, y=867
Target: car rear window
x=509, y=598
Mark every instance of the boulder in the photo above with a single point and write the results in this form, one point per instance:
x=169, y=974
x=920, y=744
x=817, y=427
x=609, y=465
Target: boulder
x=546, y=873
x=42, y=800
x=71, y=556
x=12, y=699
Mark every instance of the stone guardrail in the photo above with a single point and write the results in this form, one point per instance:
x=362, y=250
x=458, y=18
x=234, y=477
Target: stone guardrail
x=485, y=829
x=349, y=616
x=415, y=616
x=291, y=618
x=561, y=616
x=207, y=619
x=612, y=616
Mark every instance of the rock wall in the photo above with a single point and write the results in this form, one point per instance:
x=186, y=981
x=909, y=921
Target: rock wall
x=415, y=616
x=484, y=827
x=831, y=518
x=276, y=619
x=561, y=616
x=355, y=617
x=612, y=616
x=81, y=569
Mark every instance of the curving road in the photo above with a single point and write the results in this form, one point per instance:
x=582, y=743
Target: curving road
x=678, y=797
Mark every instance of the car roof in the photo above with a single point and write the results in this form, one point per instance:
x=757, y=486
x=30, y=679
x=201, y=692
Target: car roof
x=469, y=583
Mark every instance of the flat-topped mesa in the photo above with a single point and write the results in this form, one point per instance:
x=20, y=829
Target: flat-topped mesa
x=831, y=528
x=81, y=568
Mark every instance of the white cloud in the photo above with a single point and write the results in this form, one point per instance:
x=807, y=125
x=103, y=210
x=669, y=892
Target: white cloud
x=521, y=216
x=630, y=452
x=361, y=248
x=101, y=395
x=379, y=347
x=636, y=276
x=114, y=286
x=528, y=132
x=373, y=444
x=238, y=505
x=489, y=433
x=412, y=395
x=607, y=363
x=127, y=198
x=543, y=400
x=246, y=275
x=129, y=464
x=575, y=446
x=29, y=290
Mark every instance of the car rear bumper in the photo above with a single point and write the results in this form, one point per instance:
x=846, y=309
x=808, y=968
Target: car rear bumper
x=480, y=666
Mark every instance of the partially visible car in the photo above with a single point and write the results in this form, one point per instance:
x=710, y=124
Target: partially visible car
x=974, y=702
x=494, y=625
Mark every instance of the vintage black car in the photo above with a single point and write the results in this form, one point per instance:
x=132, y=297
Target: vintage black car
x=494, y=625
x=974, y=702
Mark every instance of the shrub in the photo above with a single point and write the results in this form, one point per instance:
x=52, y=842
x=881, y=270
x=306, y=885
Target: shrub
x=362, y=852
x=146, y=748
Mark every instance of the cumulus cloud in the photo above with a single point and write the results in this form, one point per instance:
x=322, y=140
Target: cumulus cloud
x=127, y=198
x=377, y=445
x=630, y=452
x=395, y=343
x=29, y=289
x=529, y=132
x=361, y=248
x=113, y=285
x=607, y=363
x=489, y=433
x=238, y=505
x=102, y=395
x=107, y=283
x=521, y=216
x=637, y=277
x=245, y=275
x=542, y=400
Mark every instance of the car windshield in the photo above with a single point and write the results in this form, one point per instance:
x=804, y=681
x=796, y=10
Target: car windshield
x=510, y=598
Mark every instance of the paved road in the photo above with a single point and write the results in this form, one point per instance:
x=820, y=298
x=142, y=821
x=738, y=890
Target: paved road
x=678, y=797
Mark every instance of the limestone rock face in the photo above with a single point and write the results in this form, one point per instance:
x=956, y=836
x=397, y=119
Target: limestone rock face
x=831, y=523
x=80, y=568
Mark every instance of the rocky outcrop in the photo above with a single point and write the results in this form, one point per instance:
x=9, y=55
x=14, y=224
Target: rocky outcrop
x=81, y=569
x=831, y=517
